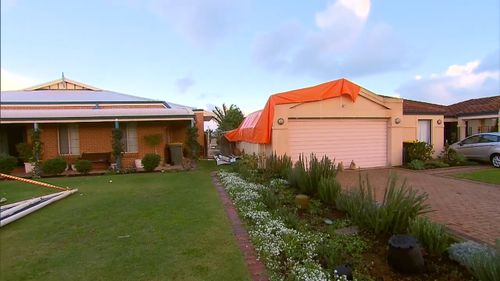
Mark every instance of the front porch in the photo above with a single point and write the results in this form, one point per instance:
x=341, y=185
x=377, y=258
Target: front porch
x=461, y=127
x=71, y=140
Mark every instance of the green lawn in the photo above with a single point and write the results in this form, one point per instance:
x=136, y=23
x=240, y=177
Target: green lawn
x=488, y=175
x=161, y=226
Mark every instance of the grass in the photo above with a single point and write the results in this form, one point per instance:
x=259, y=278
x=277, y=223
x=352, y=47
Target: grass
x=488, y=175
x=158, y=226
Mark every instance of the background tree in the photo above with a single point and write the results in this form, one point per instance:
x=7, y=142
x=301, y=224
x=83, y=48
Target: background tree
x=227, y=118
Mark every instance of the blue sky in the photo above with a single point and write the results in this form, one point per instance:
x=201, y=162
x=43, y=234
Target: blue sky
x=206, y=52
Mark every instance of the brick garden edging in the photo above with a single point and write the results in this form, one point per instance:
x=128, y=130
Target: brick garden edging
x=256, y=267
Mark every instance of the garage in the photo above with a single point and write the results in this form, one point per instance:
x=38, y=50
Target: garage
x=361, y=140
x=339, y=119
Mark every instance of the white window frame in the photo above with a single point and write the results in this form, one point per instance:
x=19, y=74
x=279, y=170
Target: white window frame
x=419, y=131
x=73, y=148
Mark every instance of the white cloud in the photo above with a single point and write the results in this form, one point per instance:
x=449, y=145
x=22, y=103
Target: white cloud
x=458, y=82
x=202, y=22
x=341, y=45
x=13, y=81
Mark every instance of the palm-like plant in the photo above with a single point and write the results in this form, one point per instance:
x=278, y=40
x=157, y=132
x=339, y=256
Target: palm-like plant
x=227, y=118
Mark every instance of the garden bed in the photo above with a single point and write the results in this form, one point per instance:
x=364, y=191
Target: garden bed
x=291, y=241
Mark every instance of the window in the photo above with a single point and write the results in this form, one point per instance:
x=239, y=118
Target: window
x=424, y=131
x=129, y=139
x=489, y=138
x=69, y=140
x=471, y=140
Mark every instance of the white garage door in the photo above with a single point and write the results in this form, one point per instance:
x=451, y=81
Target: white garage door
x=361, y=140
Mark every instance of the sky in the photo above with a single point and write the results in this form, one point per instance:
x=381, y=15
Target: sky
x=203, y=53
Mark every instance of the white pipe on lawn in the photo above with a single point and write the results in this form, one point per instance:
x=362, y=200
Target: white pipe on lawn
x=5, y=207
x=34, y=208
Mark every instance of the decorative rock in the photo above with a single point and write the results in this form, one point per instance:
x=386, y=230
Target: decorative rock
x=328, y=221
x=3, y=200
x=350, y=230
x=343, y=270
x=405, y=254
x=302, y=201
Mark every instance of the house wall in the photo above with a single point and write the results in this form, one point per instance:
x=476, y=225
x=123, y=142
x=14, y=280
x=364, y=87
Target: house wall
x=409, y=125
x=478, y=124
x=96, y=137
x=254, y=148
x=368, y=105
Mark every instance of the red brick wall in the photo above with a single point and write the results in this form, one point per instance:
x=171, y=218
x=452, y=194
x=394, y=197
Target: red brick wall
x=96, y=137
x=200, y=124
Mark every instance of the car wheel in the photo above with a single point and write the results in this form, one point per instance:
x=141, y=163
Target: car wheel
x=495, y=160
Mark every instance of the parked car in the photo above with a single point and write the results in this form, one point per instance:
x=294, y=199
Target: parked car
x=481, y=147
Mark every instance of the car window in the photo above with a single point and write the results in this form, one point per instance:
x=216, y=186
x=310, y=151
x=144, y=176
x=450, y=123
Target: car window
x=489, y=138
x=471, y=140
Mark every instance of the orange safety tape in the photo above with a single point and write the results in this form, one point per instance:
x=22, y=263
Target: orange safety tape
x=43, y=184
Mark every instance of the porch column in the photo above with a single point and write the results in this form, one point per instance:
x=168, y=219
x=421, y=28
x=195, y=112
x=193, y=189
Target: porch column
x=118, y=157
x=461, y=128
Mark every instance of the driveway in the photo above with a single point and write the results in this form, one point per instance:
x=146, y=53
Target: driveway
x=470, y=209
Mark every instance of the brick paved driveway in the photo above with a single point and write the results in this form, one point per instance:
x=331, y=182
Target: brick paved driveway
x=468, y=208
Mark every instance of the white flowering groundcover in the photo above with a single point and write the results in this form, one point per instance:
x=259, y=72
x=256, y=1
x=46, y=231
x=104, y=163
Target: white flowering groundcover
x=288, y=254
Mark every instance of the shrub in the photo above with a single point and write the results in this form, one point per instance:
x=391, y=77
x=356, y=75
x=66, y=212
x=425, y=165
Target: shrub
x=83, y=166
x=420, y=150
x=434, y=237
x=416, y=164
x=342, y=249
x=305, y=176
x=25, y=151
x=328, y=189
x=270, y=198
x=432, y=164
x=453, y=157
x=54, y=166
x=485, y=265
x=483, y=262
x=7, y=163
x=277, y=166
x=400, y=205
x=150, y=161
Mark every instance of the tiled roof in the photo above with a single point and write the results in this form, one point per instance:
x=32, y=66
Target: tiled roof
x=486, y=105
x=65, y=96
x=417, y=107
x=479, y=106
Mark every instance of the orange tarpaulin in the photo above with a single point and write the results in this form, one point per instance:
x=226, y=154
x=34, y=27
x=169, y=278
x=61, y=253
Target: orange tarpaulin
x=256, y=128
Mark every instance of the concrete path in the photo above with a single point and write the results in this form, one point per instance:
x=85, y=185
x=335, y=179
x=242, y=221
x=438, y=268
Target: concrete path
x=470, y=209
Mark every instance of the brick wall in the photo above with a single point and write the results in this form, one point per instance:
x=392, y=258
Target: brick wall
x=96, y=137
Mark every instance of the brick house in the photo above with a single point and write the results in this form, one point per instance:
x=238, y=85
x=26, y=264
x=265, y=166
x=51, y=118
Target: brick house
x=75, y=118
x=461, y=119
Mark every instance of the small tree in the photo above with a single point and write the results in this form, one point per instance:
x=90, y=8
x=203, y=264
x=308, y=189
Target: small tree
x=117, y=146
x=153, y=140
x=25, y=151
x=192, y=146
x=227, y=118
x=37, y=152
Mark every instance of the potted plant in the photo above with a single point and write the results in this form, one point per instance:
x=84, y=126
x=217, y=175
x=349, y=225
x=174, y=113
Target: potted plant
x=25, y=152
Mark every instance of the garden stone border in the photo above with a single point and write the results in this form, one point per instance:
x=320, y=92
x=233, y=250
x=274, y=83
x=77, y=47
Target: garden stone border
x=256, y=267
